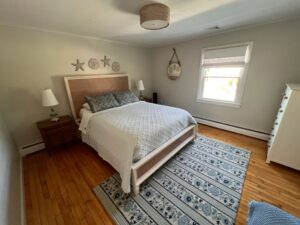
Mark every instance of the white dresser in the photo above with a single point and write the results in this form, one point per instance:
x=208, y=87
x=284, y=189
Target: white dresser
x=284, y=143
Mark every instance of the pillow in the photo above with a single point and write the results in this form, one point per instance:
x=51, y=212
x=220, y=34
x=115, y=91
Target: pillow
x=86, y=106
x=265, y=214
x=125, y=97
x=101, y=102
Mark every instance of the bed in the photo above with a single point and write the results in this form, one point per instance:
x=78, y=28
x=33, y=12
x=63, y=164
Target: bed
x=136, y=138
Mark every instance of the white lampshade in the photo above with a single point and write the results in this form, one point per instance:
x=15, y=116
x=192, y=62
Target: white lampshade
x=140, y=85
x=48, y=98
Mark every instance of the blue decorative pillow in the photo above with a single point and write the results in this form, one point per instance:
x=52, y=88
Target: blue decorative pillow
x=261, y=213
x=101, y=102
x=125, y=97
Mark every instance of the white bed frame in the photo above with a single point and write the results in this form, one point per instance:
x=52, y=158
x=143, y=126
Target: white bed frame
x=79, y=86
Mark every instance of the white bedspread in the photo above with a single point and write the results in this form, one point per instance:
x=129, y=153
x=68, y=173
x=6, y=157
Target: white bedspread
x=126, y=134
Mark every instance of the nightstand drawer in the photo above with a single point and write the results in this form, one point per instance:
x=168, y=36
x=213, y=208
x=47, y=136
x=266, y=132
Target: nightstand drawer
x=59, y=135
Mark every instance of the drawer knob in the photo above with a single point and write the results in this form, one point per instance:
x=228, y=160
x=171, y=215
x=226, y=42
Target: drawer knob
x=276, y=123
x=285, y=97
x=281, y=110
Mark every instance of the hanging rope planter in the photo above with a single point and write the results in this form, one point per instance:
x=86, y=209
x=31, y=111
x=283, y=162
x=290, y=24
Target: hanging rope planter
x=174, y=68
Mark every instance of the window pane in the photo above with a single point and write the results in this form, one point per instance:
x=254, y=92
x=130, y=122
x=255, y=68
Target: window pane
x=220, y=88
x=223, y=71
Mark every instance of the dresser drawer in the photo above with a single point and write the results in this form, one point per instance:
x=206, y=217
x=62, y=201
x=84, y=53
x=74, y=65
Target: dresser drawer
x=285, y=97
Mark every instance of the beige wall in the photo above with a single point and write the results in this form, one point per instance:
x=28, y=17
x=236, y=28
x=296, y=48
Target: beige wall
x=10, y=204
x=275, y=61
x=32, y=60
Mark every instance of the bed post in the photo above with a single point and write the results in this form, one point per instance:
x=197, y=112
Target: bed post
x=134, y=185
x=136, y=190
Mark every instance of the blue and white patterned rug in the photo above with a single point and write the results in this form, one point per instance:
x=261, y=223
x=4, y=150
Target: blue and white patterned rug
x=202, y=184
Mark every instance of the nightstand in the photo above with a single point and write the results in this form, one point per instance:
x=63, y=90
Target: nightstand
x=57, y=133
x=147, y=99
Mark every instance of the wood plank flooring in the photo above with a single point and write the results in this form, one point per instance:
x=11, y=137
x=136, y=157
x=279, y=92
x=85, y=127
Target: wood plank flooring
x=58, y=188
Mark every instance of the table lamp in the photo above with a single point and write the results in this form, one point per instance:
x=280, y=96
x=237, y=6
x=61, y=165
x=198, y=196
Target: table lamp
x=141, y=88
x=49, y=100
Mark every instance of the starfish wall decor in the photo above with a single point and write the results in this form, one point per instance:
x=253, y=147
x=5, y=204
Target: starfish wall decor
x=78, y=65
x=105, y=61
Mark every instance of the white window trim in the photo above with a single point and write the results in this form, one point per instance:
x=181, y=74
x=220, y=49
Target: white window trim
x=241, y=87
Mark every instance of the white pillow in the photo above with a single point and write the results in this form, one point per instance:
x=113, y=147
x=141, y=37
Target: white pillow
x=86, y=106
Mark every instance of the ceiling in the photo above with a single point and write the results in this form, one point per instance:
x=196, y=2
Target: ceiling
x=118, y=20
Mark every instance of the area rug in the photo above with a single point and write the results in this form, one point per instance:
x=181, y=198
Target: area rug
x=202, y=184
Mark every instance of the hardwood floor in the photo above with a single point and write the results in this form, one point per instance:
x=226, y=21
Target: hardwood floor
x=58, y=188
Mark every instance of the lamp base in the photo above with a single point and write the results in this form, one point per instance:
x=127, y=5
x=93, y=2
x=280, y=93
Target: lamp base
x=141, y=97
x=53, y=115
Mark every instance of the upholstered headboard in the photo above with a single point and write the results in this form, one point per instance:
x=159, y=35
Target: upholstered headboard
x=80, y=86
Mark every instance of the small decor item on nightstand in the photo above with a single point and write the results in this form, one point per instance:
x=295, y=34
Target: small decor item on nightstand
x=141, y=88
x=174, y=68
x=154, y=97
x=49, y=100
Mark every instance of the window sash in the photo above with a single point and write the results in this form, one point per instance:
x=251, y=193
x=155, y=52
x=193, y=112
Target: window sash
x=216, y=99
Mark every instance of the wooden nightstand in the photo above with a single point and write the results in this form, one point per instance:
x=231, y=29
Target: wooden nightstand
x=147, y=99
x=57, y=133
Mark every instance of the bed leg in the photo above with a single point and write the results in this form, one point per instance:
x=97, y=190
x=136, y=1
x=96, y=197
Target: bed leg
x=195, y=131
x=136, y=190
x=193, y=140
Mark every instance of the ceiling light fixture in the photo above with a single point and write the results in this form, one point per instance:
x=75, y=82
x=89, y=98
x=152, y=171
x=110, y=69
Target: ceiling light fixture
x=154, y=16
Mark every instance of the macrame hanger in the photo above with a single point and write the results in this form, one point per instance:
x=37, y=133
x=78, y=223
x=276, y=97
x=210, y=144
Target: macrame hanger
x=174, y=54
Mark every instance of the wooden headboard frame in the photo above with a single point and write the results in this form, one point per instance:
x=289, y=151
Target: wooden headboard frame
x=80, y=86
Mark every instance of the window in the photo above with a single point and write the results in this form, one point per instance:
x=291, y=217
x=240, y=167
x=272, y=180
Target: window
x=223, y=74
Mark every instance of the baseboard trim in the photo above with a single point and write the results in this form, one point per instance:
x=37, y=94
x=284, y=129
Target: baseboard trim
x=25, y=150
x=239, y=130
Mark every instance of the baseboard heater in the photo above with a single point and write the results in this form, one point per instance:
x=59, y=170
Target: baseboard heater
x=233, y=128
x=28, y=149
